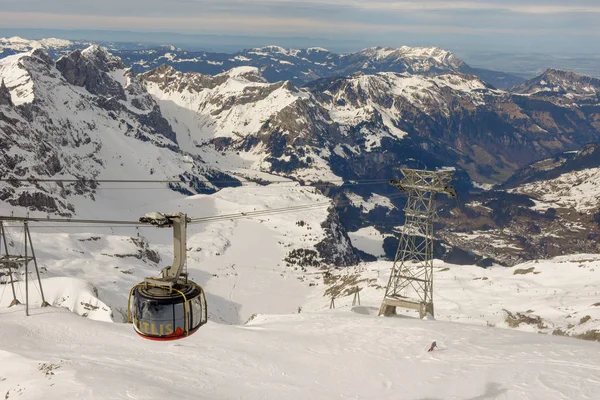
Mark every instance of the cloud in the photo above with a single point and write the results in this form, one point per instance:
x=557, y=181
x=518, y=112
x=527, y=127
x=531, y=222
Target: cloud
x=516, y=7
x=507, y=21
x=278, y=7
x=231, y=23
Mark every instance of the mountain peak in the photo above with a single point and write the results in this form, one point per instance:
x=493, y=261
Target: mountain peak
x=19, y=44
x=421, y=58
x=251, y=74
x=102, y=58
x=558, y=81
x=95, y=49
x=560, y=73
x=169, y=47
x=273, y=49
x=316, y=50
x=91, y=69
x=42, y=55
x=15, y=71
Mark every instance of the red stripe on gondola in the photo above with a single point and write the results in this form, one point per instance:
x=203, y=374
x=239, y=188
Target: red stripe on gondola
x=174, y=336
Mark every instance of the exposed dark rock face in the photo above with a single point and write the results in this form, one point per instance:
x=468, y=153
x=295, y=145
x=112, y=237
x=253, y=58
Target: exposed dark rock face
x=38, y=201
x=53, y=129
x=90, y=68
x=158, y=125
x=5, y=99
x=336, y=249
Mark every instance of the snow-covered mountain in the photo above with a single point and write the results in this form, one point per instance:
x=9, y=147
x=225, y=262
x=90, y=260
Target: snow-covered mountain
x=86, y=118
x=82, y=118
x=53, y=46
x=91, y=114
x=570, y=181
x=337, y=123
x=561, y=85
x=301, y=66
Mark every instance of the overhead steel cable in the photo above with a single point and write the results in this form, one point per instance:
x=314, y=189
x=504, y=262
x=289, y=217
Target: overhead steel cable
x=207, y=219
x=273, y=211
x=229, y=181
x=70, y=220
x=87, y=226
x=269, y=185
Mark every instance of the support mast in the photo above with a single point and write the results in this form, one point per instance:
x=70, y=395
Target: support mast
x=411, y=279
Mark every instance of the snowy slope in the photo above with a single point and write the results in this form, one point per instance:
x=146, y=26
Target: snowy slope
x=205, y=100
x=245, y=265
x=326, y=355
x=20, y=45
x=17, y=79
x=88, y=132
x=553, y=296
x=569, y=181
x=578, y=190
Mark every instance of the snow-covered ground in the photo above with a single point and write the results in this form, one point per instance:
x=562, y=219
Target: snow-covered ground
x=545, y=296
x=578, y=189
x=369, y=240
x=55, y=354
x=295, y=347
x=220, y=254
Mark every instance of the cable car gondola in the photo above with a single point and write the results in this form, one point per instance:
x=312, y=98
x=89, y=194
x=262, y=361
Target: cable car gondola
x=169, y=307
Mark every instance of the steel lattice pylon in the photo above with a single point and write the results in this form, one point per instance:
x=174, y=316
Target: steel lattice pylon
x=411, y=280
x=10, y=265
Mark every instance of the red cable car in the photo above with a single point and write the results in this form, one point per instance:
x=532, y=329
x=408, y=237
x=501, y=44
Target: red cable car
x=169, y=307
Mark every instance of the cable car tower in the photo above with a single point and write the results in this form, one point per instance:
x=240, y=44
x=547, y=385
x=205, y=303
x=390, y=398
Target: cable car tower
x=170, y=306
x=411, y=280
x=10, y=265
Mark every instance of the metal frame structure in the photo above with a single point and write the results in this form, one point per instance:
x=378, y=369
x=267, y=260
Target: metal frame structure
x=172, y=286
x=175, y=273
x=411, y=280
x=12, y=264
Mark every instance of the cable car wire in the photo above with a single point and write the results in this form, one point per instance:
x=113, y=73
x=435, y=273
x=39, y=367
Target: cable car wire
x=269, y=185
x=213, y=218
x=222, y=181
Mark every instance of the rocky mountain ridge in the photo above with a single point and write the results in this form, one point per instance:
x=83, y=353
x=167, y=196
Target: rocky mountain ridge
x=53, y=46
x=84, y=119
x=302, y=66
x=90, y=112
x=299, y=66
x=75, y=119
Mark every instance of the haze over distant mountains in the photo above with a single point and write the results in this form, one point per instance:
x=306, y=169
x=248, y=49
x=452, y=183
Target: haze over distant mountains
x=516, y=61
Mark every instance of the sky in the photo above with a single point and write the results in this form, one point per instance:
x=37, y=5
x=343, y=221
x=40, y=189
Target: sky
x=502, y=25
